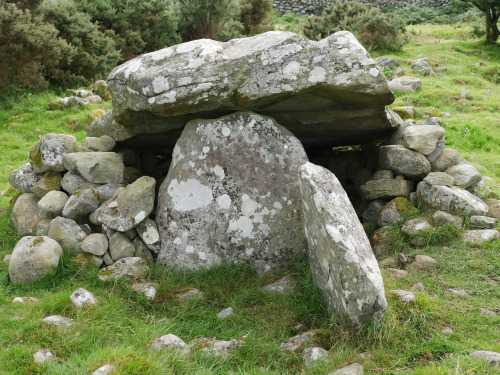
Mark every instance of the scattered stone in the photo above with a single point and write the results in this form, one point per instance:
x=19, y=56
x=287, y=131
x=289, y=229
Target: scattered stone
x=449, y=198
x=286, y=284
x=67, y=233
x=33, y=258
x=93, y=115
x=43, y=355
x=442, y=218
x=439, y=178
x=421, y=63
x=81, y=204
x=336, y=242
x=405, y=84
x=71, y=101
x=25, y=299
x=404, y=296
x=480, y=235
x=148, y=289
x=104, y=370
x=415, y=226
x=120, y=246
x=458, y=292
x=72, y=183
x=24, y=178
x=52, y=204
x=312, y=355
x=58, y=321
x=225, y=313
x=97, y=167
x=418, y=287
x=447, y=331
x=388, y=262
x=102, y=144
x=422, y=138
x=298, y=342
x=94, y=99
x=51, y=181
x=354, y=369
x=423, y=263
x=215, y=347
x=133, y=268
x=447, y=159
x=83, y=298
x=387, y=61
x=96, y=244
x=48, y=153
x=169, y=341
x=411, y=164
x=130, y=206
x=482, y=222
x=189, y=295
x=405, y=112
x=148, y=231
x=24, y=216
x=489, y=312
x=394, y=212
x=493, y=358
x=385, y=189
x=398, y=274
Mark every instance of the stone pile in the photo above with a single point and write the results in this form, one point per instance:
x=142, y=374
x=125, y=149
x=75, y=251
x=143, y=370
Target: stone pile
x=82, y=98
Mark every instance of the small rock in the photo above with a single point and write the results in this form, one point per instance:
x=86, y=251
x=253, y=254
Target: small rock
x=6, y=258
x=405, y=112
x=43, y=355
x=373, y=209
x=67, y=233
x=96, y=244
x=108, y=261
x=51, y=181
x=383, y=174
x=284, y=285
x=447, y=331
x=24, y=178
x=411, y=164
x=394, y=212
x=398, y=274
x=169, y=341
x=189, y=295
x=422, y=138
x=405, y=84
x=52, y=204
x=354, y=369
x=132, y=267
x=104, y=370
x=71, y=183
x=385, y=189
x=25, y=299
x=120, y=246
x=493, y=358
x=148, y=289
x=447, y=159
x=96, y=167
x=415, y=226
x=404, y=296
x=24, y=216
x=480, y=235
x=418, y=287
x=489, y=312
x=458, y=292
x=387, y=61
x=148, y=231
x=48, y=153
x=423, y=263
x=58, y=321
x=104, y=143
x=215, y=347
x=312, y=355
x=299, y=342
x=388, y=262
x=465, y=175
x=442, y=218
x=83, y=298
x=439, y=178
x=225, y=313
x=482, y=222
x=80, y=204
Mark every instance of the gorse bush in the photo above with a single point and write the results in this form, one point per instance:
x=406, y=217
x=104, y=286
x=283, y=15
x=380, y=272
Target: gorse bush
x=371, y=27
x=453, y=13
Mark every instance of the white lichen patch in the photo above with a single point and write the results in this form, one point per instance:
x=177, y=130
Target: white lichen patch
x=224, y=202
x=374, y=72
x=318, y=74
x=218, y=171
x=139, y=217
x=160, y=84
x=189, y=195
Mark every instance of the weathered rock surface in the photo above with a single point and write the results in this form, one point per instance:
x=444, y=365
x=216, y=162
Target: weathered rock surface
x=147, y=289
x=212, y=209
x=405, y=84
x=120, y=246
x=450, y=198
x=25, y=299
x=33, y=258
x=71, y=183
x=133, y=268
x=312, y=355
x=387, y=61
x=96, y=244
x=67, y=233
x=103, y=144
x=219, y=348
x=480, y=235
x=52, y=204
x=395, y=212
x=104, y=370
x=49, y=182
x=493, y=358
x=24, y=216
x=423, y=263
x=405, y=297
x=83, y=298
x=422, y=138
x=47, y=154
x=96, y=167
x=448, y=158
x=342, y=262
x=130, y=206
x=442, y=218
x=411, y=164
x=226, y=313
x=43, y=355
x=148, y=231
x=284, y=285
x=439, y=178
x=298, y=342
x=24, y=178
x=465, y=175
x=354, y=369
x=81, y=204
x=58, y=321
x=385, y=189
x=494, y=207
x=169, y=341
x=326, y=92
x=482, y=222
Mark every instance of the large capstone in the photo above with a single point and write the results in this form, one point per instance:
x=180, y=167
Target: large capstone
x=329, y=92
x=342, y=262
x=232, y=194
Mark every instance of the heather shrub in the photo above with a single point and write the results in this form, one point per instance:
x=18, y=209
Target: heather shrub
x=371, y=27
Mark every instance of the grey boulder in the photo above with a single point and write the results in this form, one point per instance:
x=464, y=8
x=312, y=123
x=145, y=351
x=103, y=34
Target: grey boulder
x=482, y=222
x=480, y=235
x=120, y=246
x=71, y=183
x=493, y=358
x=104, y=143
x=422, y=138
x=81, y=204
x=439, y=178
x=342, y=262
x=83, y=298
x=96, y=244
x=448, y=158
x=24, y=216
x=385, y=189
x=47, y=154
x=24, y=178
x=465, y=175
x=411, y=164
x=67, y=233
x=52, y=204
x=442, y=218
x=132, y=268
x=96, y=167
x=33, y=258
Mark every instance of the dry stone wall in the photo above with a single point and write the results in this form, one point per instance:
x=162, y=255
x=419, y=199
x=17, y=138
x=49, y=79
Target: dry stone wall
x=315, y=7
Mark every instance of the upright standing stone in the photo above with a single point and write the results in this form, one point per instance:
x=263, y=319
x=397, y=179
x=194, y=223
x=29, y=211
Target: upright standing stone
x=342, y=262
x=232, y=194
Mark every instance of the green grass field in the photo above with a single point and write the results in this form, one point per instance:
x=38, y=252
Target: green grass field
x=124, y=325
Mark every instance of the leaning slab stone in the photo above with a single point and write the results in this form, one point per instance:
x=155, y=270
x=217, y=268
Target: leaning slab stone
x=385, y=189
x=52, y=204
x=96, y=167
x=326, y=92
x=24, y=216
x=47, y=154
x=493, y=358
x=465, y=175
x=480, y=235
x=83, y=298
x=58, y=321
x=132, y=268
x=71, y=183
x=81, y=204
x=399, y=159
x=24, y=178
x=211, y=209
x=422, y=138
x=67, y=233
x=33, y=258
x=342, y=262
x=450, y=198
x=482, y=222
x=130, y=206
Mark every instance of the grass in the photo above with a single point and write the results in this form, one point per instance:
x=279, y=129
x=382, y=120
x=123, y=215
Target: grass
x=409, y=341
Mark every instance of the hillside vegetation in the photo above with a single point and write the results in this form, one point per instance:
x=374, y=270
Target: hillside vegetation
x=410, y=340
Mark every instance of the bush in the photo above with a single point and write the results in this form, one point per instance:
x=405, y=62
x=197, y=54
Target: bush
x=30, y=50
x=373, y=28
x=453, y=13
x=96, y=52
x=255, y=15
